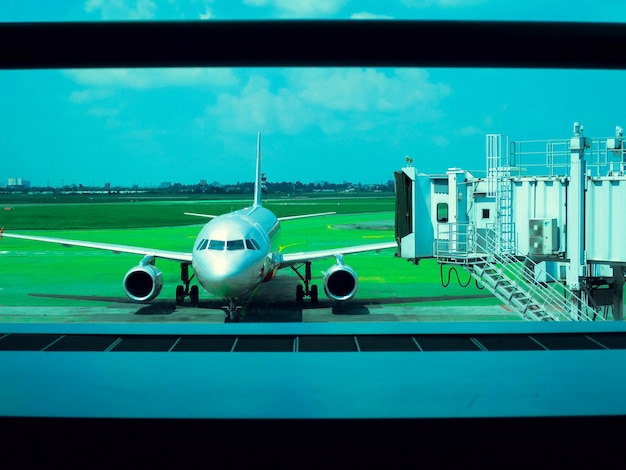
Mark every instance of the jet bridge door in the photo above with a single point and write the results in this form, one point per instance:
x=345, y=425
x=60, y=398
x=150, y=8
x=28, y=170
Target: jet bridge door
x=413, y=223
x=404, y=192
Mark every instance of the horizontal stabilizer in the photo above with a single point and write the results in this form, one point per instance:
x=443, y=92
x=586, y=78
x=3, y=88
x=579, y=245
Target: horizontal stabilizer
x=292, y=217
x=208, y=216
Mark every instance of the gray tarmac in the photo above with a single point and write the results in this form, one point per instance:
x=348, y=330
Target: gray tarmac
x=171, y=313
x=273, y=302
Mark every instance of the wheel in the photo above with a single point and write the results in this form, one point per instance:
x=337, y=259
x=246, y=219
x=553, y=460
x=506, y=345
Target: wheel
x=314, y=294
x=194, y=295
x=232, y=317
x=299, y=294
x=180, y=294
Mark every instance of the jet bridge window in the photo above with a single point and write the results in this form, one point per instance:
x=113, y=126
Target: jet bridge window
x=202, y=245
x=217, y=244
x=442, y=212
x=252, y=244
x=232, y=245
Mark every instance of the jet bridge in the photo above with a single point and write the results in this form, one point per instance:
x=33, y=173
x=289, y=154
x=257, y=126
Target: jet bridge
x=541, y=229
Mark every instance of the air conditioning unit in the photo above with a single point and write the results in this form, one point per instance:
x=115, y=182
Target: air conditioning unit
x=544, y=236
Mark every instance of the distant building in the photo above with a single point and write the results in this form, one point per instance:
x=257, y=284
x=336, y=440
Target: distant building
x=165, y=185
x=17, y=183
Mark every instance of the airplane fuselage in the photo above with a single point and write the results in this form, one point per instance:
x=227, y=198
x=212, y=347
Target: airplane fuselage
x=232, y=254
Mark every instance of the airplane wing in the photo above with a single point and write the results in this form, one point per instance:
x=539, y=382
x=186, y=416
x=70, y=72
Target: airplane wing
x=289, y=259
x=164, y=254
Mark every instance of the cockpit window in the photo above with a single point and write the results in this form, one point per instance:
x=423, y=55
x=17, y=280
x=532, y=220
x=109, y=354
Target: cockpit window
x=202, y=244
x=216, y=244
x=252, y=244
x=232, y=245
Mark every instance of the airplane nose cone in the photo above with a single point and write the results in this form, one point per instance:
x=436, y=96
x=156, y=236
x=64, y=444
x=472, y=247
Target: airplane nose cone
x=222, y=288
x=225, y=278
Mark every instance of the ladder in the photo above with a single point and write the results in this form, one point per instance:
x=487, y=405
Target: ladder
x=500, y=187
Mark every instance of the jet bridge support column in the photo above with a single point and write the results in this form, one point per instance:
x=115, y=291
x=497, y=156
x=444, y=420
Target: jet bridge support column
x=575, y=236
x=618, y=292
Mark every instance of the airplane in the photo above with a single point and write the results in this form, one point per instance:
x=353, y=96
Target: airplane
x=232, y=255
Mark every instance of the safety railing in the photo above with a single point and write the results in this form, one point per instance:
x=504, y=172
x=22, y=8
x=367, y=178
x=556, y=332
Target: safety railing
x=463, y=244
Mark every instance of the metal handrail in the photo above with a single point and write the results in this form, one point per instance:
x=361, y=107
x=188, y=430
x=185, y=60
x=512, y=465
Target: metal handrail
x=524, y=270
x=554, y=155
x=463, y=244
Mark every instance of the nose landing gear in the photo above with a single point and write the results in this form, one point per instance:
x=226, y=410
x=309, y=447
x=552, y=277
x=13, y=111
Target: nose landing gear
x=232, y=315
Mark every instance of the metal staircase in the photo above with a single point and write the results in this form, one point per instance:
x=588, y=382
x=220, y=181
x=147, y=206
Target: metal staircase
x=510, y=277
x=508, y=291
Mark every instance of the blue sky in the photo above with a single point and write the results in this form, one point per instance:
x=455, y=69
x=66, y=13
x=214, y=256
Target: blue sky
x=145, y=126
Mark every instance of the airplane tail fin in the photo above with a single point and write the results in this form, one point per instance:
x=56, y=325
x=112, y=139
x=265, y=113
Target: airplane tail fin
x=258, y=182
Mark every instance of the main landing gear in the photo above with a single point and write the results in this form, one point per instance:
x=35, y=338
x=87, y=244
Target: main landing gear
x=307, y=290
x=185, y=290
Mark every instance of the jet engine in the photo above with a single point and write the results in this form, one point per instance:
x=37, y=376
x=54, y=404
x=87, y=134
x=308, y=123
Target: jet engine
x=340, y=282
x=143, y=283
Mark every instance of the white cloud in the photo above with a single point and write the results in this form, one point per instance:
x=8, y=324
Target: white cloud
x=441, y=3
x=122, y=9
x=329, y=99
x=300, y=8
x=85, y=96
x=258, y=108
x=369, y=16
x=207, y=15
x=152, y=78
x=471, y=130
x=441, y=141
x=105, y=112
x=367, y=89
x=205, y=11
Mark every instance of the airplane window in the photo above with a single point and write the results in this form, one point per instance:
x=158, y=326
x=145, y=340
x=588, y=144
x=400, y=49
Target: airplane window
x=232, y=245
x=202, y=245
x=216, y=245
x=252, y=244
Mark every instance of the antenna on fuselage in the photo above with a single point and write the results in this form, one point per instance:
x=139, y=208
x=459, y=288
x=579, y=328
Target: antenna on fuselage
x=257, y=183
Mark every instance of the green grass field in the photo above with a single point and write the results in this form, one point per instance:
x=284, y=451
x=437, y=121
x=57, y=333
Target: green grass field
x=42, y=274
x=79, y=212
